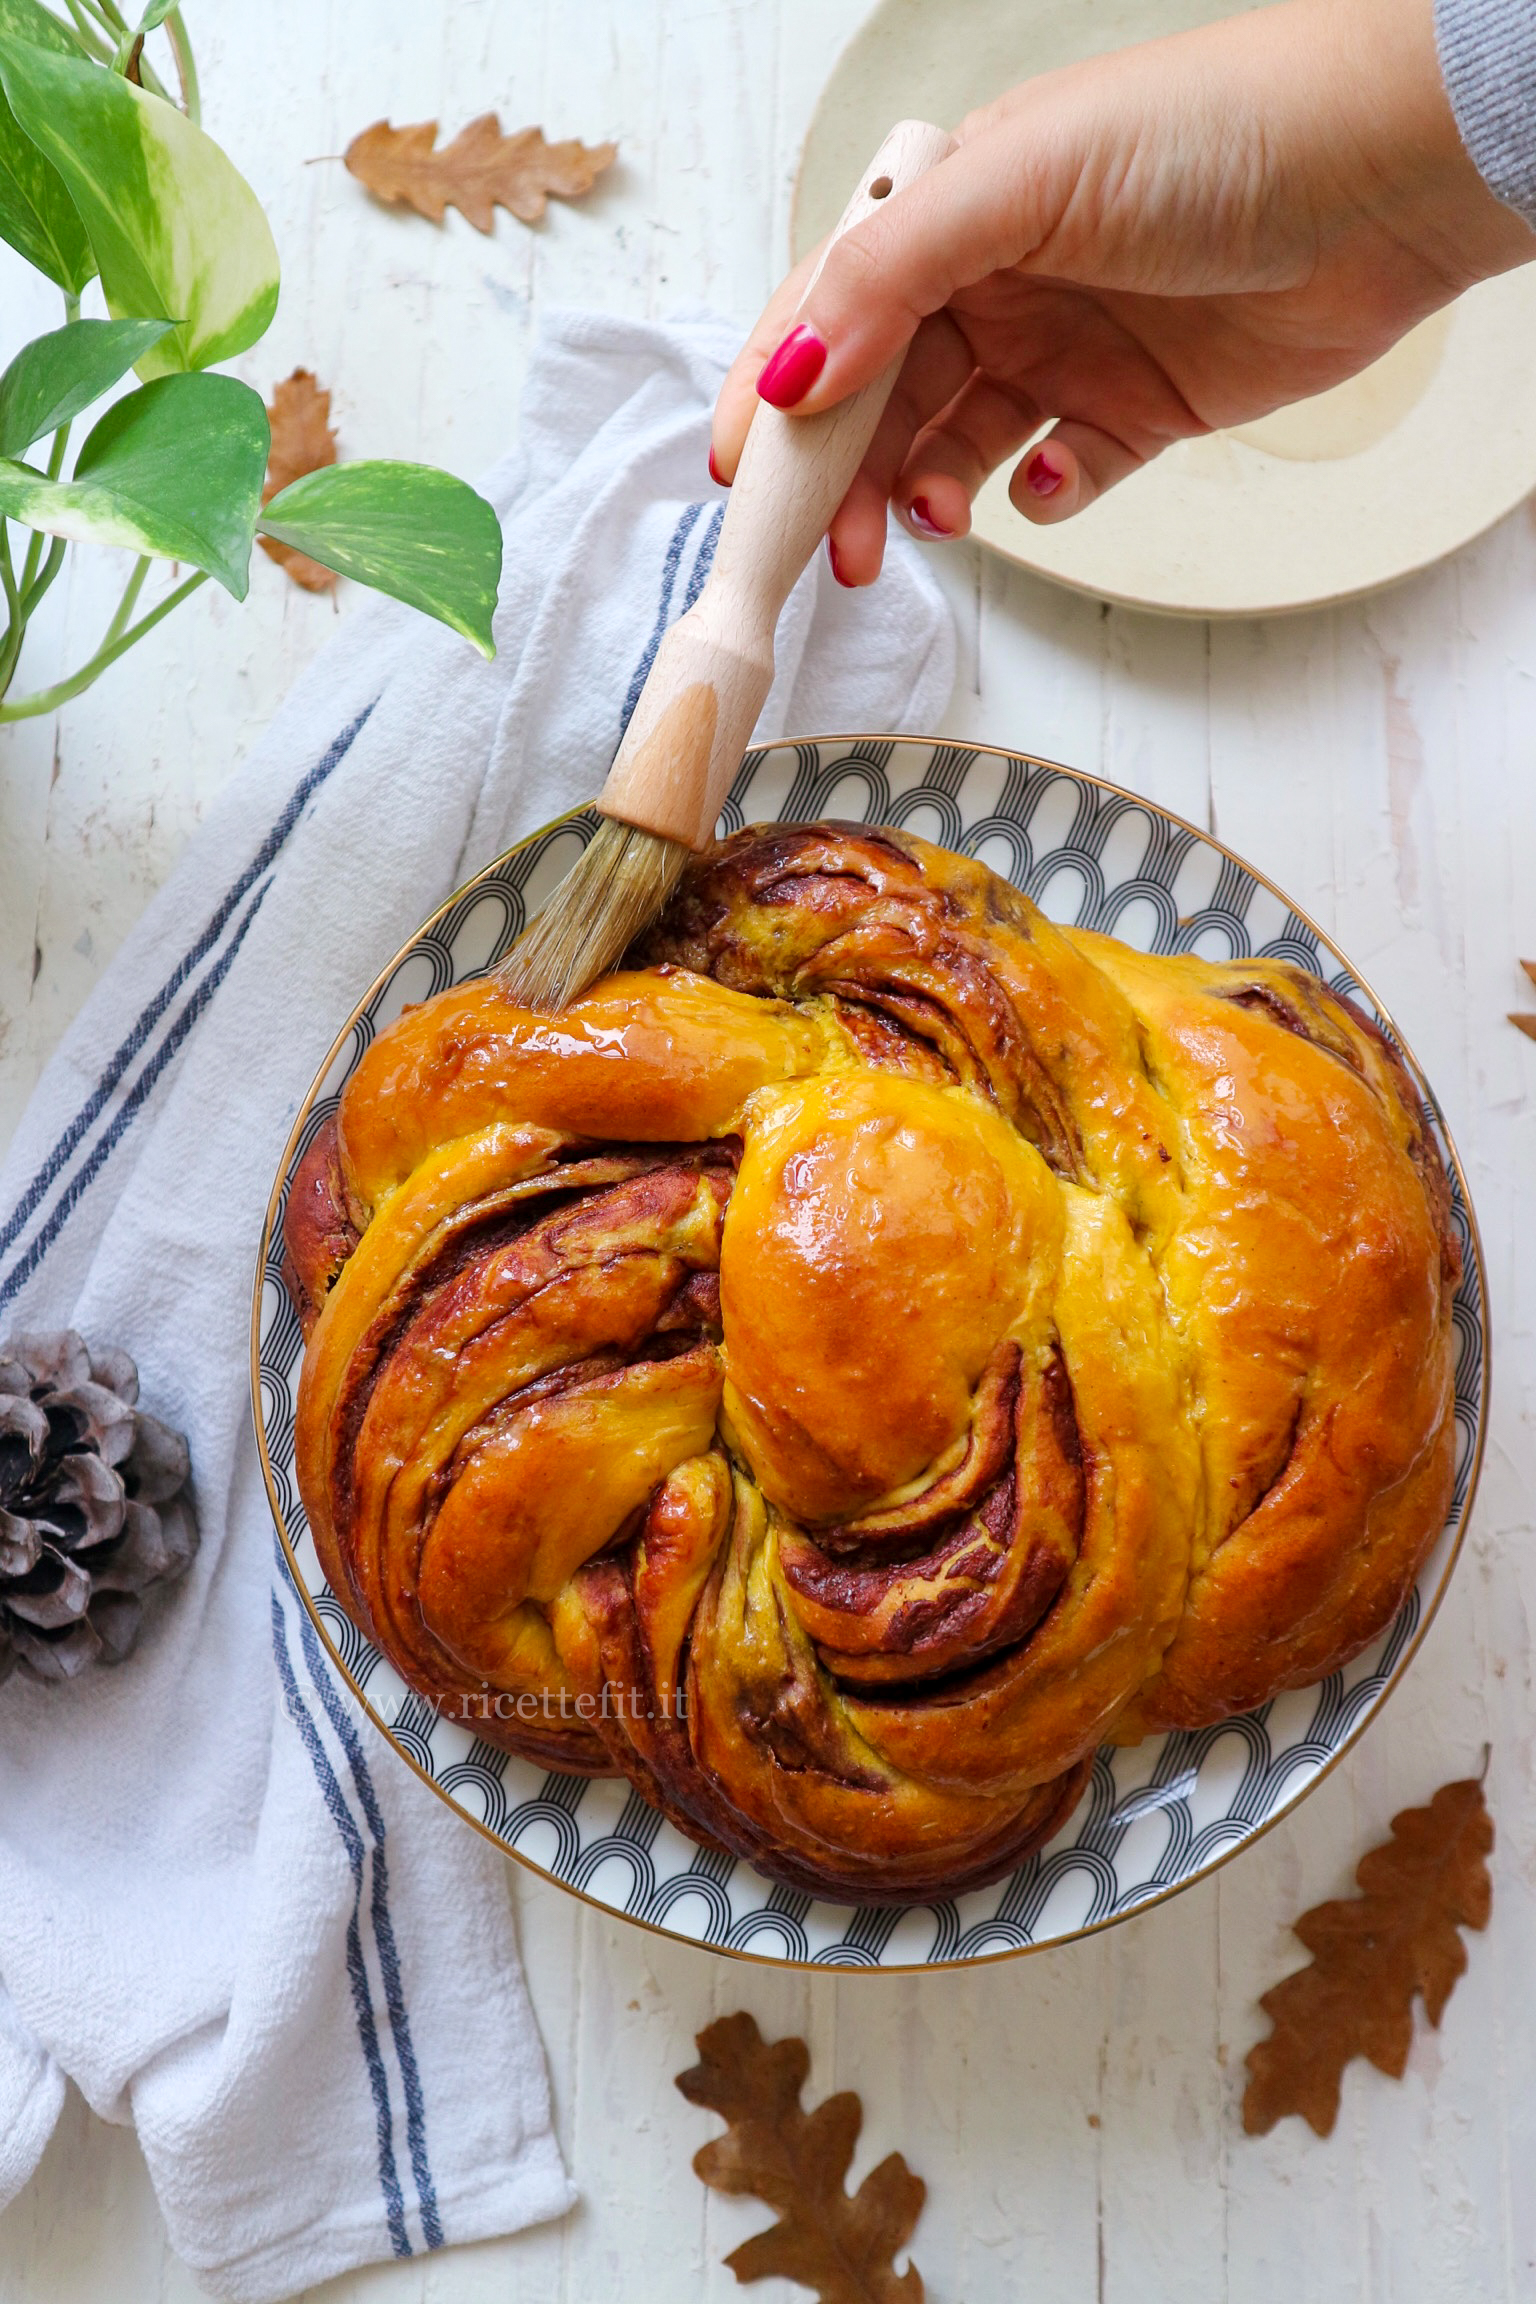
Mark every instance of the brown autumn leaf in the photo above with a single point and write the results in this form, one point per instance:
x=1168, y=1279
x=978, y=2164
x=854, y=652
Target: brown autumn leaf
x=838, y=2244
x=474, y=173
x=1526, y=1024
x=1371, y=1954
x=302, y=441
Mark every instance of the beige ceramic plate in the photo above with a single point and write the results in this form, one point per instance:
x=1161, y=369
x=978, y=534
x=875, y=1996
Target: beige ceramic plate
x=1354, y=489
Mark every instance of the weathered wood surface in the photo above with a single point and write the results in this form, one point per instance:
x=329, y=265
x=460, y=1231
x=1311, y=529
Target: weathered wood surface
x=1075, y=2114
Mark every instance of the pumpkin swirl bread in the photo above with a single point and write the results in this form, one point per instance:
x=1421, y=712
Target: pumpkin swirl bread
x=871, y=1351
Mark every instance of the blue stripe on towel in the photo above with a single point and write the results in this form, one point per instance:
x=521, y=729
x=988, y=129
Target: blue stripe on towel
x=151, y=1014
x=362, y=1998
x=384, y=1936
x=126, y=1113
x=706, y=558
x=670, y=566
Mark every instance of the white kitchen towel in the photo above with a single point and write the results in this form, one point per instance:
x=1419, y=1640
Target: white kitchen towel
x=226, y=1909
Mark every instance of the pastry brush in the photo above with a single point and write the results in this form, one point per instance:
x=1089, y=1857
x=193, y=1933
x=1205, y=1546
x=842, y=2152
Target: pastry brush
x=713, y=670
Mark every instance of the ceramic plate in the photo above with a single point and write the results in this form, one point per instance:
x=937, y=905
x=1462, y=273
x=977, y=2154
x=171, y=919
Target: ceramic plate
x=1314, y=503
x=1156, y=1817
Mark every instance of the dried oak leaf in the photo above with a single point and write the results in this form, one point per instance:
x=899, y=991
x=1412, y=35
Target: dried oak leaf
x=302, y=441
x=1371, y=1954
x=474, y=173
x=1526, y=1024
x=838, y=2244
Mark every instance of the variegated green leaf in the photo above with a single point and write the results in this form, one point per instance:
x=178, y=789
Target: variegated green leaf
x=406, y=529
x=30, y=20
x=174, y=469
x=37, y=215
x=55, y=376
x=177, y=232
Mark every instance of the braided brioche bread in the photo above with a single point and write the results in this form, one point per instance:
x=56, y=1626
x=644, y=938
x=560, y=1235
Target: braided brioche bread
x=871, y=1351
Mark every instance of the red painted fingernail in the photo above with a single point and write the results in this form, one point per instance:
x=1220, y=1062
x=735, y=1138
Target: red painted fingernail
x=715, y=472
x=837, y=568
x=920, y=513
x=1041, y=476
x=793, y=369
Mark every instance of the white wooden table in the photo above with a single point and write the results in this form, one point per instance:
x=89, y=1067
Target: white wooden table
x=1075, y=2114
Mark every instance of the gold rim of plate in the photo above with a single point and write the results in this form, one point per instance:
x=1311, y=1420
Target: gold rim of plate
x=1223, y=1856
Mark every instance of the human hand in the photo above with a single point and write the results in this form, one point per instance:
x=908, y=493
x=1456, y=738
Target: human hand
x=1135, y=250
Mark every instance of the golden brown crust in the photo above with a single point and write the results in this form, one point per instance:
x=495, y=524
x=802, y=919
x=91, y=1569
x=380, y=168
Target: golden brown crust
x=873, y=1351
x=319, y=1233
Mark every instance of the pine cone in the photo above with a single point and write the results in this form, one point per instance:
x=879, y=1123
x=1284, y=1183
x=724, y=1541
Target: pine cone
x=83, y=1473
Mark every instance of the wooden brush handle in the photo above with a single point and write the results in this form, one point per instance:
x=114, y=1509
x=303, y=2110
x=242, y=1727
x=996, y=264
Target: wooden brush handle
x=714, y=668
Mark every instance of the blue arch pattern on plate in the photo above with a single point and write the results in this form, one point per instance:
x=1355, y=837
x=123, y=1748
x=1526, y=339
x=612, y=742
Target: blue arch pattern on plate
x=1157, y=1815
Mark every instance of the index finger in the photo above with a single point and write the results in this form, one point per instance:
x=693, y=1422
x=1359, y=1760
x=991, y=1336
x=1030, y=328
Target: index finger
x=977, y=212
x=737, y=403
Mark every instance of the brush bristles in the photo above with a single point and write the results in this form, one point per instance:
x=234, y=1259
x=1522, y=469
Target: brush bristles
x=615, y=889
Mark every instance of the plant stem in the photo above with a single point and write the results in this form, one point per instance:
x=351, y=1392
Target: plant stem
x=15, y=621
x=186, y=66
x=23, y=597
x=48, y=699
x=55, y=467
x=33, y=560
x=87, y=27
x=35, y=547
x=129, y=600
x=39, y=584
x=93, y=18
x=130, y=63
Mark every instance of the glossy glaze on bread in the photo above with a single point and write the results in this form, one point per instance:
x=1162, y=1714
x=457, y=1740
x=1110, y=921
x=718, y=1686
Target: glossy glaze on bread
x=872, y=1351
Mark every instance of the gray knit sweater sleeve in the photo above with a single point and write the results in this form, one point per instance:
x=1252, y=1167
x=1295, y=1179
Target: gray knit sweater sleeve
x=1488, y=56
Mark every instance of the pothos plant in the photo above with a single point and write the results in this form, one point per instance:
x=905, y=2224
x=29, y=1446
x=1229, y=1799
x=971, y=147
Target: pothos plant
x=105, y=175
